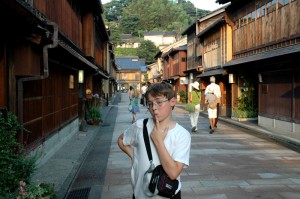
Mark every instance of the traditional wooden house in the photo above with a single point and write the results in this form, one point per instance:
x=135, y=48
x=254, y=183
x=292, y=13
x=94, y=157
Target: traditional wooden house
x=213, y=50
x=194, y=58
x=174, y=63
x=50, y=53
x=153, y=74
x=266, y=53
x=112, y=86
x=128, y=41
x=131, y=70
x=158, y=72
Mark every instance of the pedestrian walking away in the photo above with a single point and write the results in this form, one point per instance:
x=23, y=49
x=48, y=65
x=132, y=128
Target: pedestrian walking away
x=211, y=101
x=143, y=97
x=134, y=101
x=217, y=91
x=169, y=143
x=195, y=98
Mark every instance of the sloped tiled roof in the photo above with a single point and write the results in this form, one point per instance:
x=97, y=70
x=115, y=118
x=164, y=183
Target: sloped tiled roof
x=213, y=25
x=153, y=33
x=125, y=36
x=265, y=55
x=177, y=44
x=131, y=63
x=165, y=34
x=169, y=34
x=192, y=27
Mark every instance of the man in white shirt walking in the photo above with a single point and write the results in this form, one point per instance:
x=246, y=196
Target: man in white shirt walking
x=217, y=91
x=144, y=89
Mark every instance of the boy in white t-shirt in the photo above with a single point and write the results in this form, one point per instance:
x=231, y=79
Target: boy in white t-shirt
x=170, y=142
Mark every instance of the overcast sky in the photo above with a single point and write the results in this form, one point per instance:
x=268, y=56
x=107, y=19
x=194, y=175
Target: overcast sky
x=202, y=4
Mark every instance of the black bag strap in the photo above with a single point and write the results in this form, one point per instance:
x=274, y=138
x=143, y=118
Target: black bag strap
x=146, y=139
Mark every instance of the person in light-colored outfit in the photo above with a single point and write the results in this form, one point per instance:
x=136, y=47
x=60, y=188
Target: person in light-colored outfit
x=217, y=91
x=195, y=98
x=212, y=112
x=144, y=89
x=134, y=100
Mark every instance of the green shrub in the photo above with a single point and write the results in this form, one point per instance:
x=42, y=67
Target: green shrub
x=244, y=113
x=15, y=163
x=126, y=51
x=246, y=103
x=183, y=96
x=34, y=191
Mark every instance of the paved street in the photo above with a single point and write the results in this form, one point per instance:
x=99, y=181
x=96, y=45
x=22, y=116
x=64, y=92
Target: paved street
x=232, y=163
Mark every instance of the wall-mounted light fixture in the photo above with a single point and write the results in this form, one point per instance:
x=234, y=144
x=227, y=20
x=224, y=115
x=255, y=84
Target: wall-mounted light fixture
x=81, y=76
x=231, y=78
x=71, y=82
x=260, y=80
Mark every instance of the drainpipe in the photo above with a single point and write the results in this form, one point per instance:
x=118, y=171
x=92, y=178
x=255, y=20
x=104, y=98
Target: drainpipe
x=44, y=76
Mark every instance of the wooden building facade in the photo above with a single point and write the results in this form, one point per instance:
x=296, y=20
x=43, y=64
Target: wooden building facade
x=194, y=59
x=215, y=47
x=174, y=65
x=43, y=46
x=266, y=49
x=131, y=70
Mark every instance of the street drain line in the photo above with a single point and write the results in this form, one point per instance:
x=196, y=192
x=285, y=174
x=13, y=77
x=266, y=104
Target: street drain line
x=79, y=194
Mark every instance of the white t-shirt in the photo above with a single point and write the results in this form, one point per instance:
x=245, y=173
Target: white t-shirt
x=144, y=89
x=215, y=87
x=177, y=142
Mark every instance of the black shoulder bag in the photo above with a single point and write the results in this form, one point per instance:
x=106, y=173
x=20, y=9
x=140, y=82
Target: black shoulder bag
x=159, y=179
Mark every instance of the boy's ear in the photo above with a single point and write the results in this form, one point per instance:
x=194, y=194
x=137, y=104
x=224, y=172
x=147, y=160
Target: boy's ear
x=173, y=101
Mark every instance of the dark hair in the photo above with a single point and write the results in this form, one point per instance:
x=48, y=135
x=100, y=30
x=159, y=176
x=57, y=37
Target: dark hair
x=160, y=88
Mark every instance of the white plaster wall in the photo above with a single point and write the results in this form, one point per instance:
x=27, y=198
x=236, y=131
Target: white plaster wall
x=157, y=39
x=168, y=40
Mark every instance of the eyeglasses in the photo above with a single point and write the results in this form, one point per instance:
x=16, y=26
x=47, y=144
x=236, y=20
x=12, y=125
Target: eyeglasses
x=157, y=103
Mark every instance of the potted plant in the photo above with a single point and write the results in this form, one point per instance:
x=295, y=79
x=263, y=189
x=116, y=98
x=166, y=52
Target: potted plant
x=246, y=108
x=93, y=115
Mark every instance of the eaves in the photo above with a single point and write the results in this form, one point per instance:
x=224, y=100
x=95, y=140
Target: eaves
x=80, y=57
x=265, y=55
x=210, y=27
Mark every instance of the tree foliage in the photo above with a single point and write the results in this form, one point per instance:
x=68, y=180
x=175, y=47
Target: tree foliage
x=113, y=10
x=126, y=51
x=136, y=17
x=147, y=50
x=139, y=16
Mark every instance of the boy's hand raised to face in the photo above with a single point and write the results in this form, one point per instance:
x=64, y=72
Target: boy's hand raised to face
x=159, y=133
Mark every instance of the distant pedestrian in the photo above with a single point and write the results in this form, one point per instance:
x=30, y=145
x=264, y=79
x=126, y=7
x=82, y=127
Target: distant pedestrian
x=129, y=93
x=217, y=91
x=195, y=98
x=134, y=101
x=170, y=142
x=211, y=101
x=143, y=97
